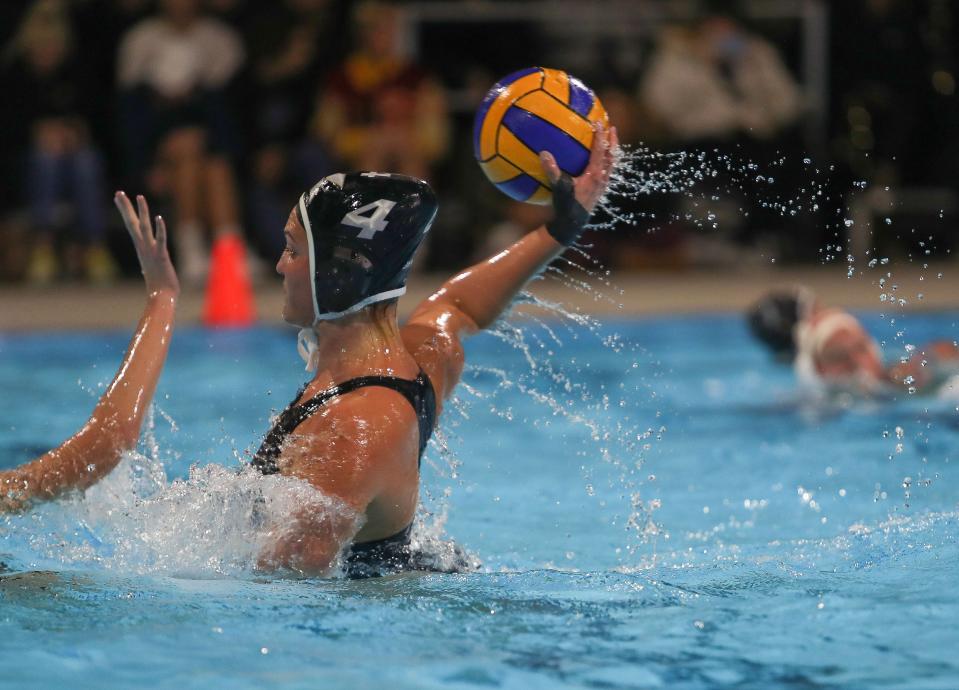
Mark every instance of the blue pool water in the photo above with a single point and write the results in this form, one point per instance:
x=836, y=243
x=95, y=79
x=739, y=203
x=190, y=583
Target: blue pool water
x=654, y=504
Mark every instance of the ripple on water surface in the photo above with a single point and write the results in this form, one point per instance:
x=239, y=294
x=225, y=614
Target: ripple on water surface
x=738, y=581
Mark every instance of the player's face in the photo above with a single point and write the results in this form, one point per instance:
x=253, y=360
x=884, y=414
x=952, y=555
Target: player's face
x=180, y=10
x=850, y=352
x=294, y=266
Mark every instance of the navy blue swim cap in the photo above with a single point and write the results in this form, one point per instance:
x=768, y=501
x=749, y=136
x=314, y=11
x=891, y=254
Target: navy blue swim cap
x=362, y=229
x=773, y=319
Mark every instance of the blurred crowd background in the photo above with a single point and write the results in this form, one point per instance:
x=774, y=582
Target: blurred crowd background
x=223, y=111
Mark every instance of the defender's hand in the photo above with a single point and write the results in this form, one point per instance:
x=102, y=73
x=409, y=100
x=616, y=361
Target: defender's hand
x=158, y=272
x=575, y=198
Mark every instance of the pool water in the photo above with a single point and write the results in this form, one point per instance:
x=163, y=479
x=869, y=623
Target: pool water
x=654, y=503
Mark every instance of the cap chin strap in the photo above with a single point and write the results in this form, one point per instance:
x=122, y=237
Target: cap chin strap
x=308, y=347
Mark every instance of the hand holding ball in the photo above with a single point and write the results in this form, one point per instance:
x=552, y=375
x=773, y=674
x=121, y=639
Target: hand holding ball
x=533, y=110
x=542, y=136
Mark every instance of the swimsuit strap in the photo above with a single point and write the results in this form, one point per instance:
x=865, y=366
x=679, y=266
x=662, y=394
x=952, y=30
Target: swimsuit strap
x=419, y=392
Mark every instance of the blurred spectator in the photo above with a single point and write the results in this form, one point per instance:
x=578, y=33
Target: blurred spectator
x=14, y=229
x=895, y=119
x=879, y=81
x=379, y=110
x=234, y=13
x=98, y=27
x=174, y=71
x=716, y=85
x=289, y=44
x=51, y=109
x=716, y=81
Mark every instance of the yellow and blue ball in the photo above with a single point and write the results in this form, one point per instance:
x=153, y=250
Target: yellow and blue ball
x=532, y=110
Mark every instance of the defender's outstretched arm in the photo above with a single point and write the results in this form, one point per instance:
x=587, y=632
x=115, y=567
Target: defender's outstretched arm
x=114, y=426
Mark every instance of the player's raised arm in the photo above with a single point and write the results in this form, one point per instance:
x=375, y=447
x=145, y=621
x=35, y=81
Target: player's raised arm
x=473, y=299
x=483, y=291
x=114, y=426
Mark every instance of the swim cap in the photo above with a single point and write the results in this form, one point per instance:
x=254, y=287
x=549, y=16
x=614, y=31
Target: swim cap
x=362, y=229
x=773, y=319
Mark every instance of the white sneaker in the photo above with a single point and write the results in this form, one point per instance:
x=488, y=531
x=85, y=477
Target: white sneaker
x=192, y=257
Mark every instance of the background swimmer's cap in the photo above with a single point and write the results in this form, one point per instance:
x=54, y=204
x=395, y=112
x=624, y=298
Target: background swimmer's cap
x=363, y=229
x=773, y=320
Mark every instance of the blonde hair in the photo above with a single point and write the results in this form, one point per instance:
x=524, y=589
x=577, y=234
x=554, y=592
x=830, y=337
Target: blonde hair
x=383, y=316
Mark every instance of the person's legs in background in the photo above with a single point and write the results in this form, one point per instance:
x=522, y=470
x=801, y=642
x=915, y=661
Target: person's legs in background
x=44, y=184
x=182, y=153
x=221, y=196
x=267, y=201
x=85, y=181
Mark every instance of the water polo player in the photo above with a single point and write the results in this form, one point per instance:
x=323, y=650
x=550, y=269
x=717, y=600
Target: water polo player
x=358, y=428
x=832, y=352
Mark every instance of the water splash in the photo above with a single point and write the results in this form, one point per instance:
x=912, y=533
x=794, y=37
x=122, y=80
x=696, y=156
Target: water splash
x=215, y=523
x=708, y=180
x=544, y=334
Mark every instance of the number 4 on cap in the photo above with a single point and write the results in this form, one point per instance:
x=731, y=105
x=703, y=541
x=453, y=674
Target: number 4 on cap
x=372, y=223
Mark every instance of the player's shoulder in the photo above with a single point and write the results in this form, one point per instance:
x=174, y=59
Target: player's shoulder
x=437, y=324
x=368, y=416
x=435, y=342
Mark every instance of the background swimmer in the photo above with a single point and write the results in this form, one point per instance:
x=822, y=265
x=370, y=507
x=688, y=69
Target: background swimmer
x=831, y=350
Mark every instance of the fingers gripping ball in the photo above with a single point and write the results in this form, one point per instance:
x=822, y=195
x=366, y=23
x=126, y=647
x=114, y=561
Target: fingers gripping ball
x=532, y=110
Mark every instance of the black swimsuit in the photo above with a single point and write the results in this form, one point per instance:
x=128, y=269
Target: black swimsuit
x=383, y=556
x=418, y=391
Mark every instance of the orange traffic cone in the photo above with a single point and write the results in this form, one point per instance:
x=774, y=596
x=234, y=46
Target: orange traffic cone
x=229, y=295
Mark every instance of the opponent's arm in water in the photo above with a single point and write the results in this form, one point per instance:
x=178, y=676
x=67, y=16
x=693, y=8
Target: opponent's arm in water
x=473, y=299
x=928, y=367
x=114, y=426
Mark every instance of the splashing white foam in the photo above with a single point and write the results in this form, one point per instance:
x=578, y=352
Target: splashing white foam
x=215, y=523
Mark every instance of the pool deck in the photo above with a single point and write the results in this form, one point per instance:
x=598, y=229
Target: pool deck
x=74, y=306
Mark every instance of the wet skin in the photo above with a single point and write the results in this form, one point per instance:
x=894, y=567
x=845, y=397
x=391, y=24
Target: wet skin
x=363, y=447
